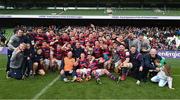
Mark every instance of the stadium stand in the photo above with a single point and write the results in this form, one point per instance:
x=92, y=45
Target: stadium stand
x=90, y=3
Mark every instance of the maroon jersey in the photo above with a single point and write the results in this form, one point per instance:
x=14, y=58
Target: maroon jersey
x=97, y=52
x=106, y=54
x=59, y=41
x=50, y=38
x=83, y=63
x=94, y=65
x=65, y=39
x=46, y=52
x=73, y=42
x=58, y=54
x=85, y=34
x=109, y=42
x=154, y=43
x=66, y=52
x=39, y=38
x=123, y=55
x=82, y=41
x=106, y=51
x=91, y=41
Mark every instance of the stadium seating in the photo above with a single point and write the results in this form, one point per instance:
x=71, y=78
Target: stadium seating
x=89, y=3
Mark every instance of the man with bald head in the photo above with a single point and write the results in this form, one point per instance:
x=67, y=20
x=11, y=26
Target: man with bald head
x=68, y=67
x=148, y=62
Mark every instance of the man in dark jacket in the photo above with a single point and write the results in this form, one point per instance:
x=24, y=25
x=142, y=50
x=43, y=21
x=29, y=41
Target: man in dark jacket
x=136, y=61
x=149, y=64
x=77, y=50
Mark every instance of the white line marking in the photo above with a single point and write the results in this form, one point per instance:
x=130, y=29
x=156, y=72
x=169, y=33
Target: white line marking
x=45, y=89
x=61, y=13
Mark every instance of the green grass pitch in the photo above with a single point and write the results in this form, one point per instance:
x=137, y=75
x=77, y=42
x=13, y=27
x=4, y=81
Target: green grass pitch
x=28, y=88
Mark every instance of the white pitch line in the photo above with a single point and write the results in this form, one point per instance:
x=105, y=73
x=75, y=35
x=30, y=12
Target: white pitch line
x=61, y=13
x=45, y=88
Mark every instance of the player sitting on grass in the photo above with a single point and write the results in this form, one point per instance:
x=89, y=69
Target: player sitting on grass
x=68, y=68
x=83, y=71
x=38, y=63
x=97, y=71
x=163, y=77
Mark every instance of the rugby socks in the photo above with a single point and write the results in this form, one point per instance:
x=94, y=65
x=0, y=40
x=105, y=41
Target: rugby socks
x=88, y=73
x=78, y=74
x=124, y=70
x=96, y=76
x=111, y=76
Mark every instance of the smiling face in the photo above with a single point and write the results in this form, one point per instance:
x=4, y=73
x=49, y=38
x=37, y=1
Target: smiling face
x=20, y=33
x=133, y=49
x=97, y=43
x=141, y=37
x=153, y=53
x=51, y=32
x=44, y=44
x=114, y=45
x=69, y=54
x=39, y=31
x=120, y=38
x=121, y=48
x=89, y=57
x=113, y=36
x=82, y=55
x=78, y=45
x=58, y=47
x=22, y=46
x=87, y=44
x=39, y=51
x=28, y=46
x=105, y=46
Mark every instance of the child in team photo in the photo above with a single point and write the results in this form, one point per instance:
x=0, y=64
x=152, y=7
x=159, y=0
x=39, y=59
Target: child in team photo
x=164, y=76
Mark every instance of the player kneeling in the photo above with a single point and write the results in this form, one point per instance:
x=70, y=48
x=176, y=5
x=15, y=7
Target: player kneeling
x=67, y=68
x=38, y=63
x=163, y=77
x=124, y=65
x=97, y=71
x=107, y=57
x=83, y=71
